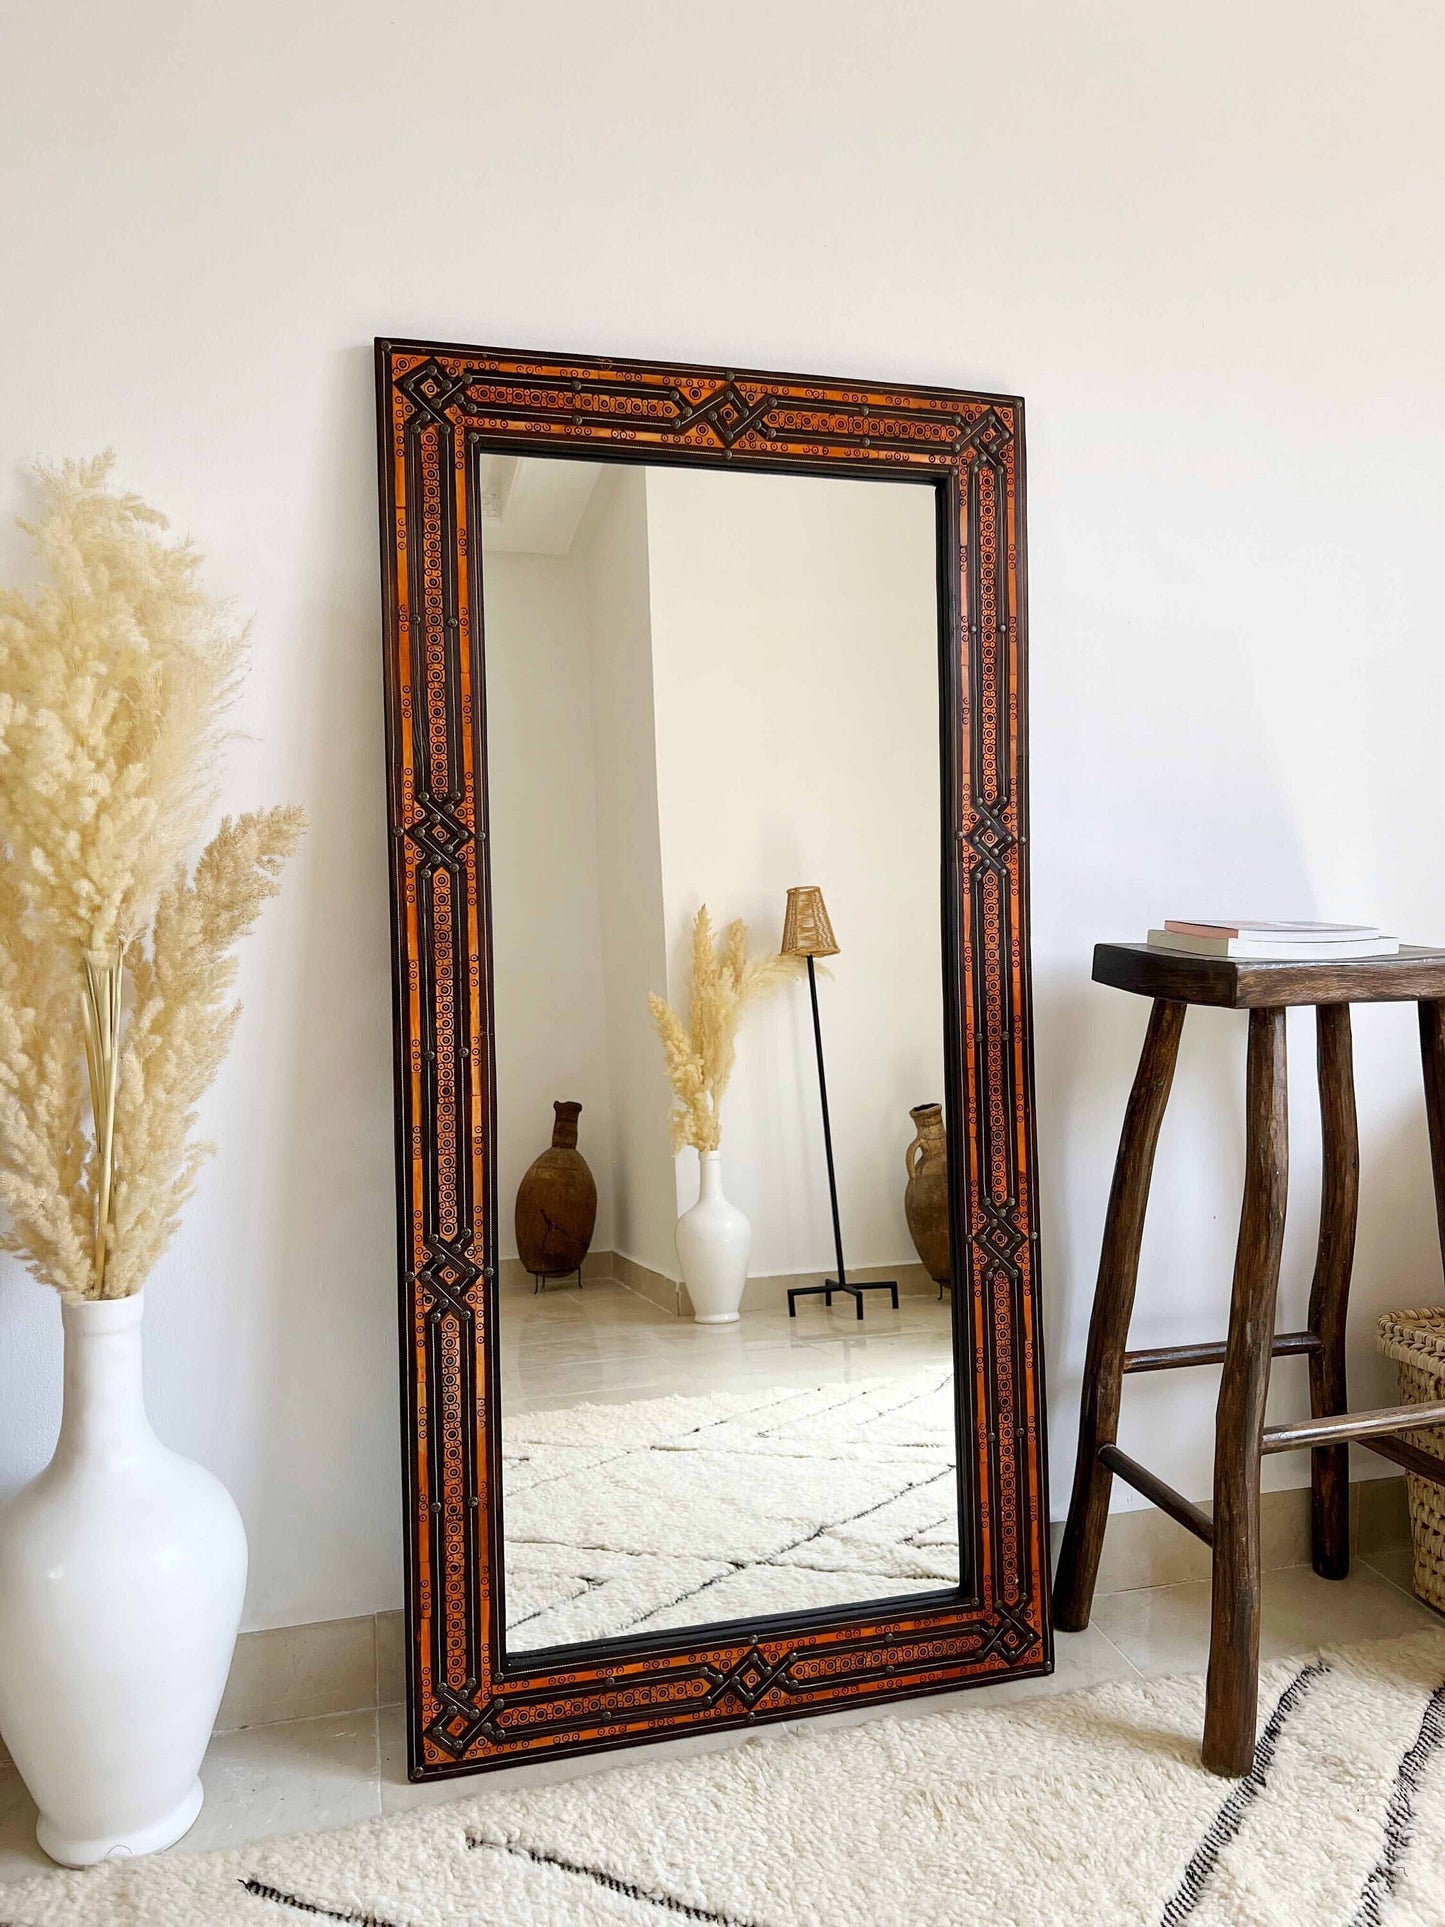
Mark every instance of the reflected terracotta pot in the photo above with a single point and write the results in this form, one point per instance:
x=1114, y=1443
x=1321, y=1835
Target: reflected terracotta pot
x=556, y=1211
x=925, y=1202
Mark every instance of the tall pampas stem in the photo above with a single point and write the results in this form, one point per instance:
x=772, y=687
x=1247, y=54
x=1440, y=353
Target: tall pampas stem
x=102, y=1059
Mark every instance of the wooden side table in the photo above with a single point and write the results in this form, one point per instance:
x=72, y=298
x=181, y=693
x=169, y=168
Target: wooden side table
x=1266, y=991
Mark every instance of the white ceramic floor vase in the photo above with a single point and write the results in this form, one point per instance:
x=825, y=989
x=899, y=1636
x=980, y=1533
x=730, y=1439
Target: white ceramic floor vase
x=122, y=1571
x=713, y=1243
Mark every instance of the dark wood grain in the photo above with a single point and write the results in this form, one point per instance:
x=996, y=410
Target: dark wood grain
x=1241, y=1436
x=1169, y=1358
x=1432, y=1060
x=1401, y=1452
x=1192, y=1517
x=1232, y=985
x=1330, y=1288
x=1385, y=1420
x=1233, y=1685
x=1109, y=1323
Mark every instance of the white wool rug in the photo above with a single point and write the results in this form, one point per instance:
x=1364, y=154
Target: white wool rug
x=1090, y=1808
x=683, y=1511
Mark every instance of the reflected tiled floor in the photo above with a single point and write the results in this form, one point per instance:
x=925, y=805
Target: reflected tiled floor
x=603, y=1344
x=621, y=1524
x=329, y=1772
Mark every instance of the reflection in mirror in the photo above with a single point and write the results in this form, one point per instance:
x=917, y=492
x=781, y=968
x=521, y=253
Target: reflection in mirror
x=711, y=689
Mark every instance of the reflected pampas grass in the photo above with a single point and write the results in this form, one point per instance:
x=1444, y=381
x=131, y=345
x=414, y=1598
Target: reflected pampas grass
x=115, y=956
x=700, y=1053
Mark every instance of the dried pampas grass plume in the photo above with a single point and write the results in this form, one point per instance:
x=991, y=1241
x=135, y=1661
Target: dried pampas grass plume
x=115, y=675
x=181, y=1027
x=700, y=1053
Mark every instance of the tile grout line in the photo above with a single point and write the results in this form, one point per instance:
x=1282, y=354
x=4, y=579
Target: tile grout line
x=298, y=1719
x=1114, y=1645
x=1406, y=1592
x=376, y=1709
x=1370, y=1566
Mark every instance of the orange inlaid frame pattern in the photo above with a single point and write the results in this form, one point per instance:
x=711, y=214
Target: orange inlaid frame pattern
x=470, y=1705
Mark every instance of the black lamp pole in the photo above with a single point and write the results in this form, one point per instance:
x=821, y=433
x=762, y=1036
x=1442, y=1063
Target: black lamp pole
x=841, y=1282
x=827, y=1127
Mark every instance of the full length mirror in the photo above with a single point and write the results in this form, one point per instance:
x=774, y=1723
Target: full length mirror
x=717, y=1237
x=714, y=810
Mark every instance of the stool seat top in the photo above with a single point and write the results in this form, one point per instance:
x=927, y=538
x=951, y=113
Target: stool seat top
x=1237, y=983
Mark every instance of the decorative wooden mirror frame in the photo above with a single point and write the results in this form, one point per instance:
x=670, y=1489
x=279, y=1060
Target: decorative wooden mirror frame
x=440, y=407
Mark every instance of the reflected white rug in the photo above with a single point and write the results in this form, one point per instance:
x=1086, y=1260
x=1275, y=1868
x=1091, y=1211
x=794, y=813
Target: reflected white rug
x=683, y=1511
x=1087, y=1809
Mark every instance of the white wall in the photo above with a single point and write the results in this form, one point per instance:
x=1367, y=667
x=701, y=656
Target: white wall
x=795, y=661
x=550, y=1015
x=613, y=547
x=1201, y=241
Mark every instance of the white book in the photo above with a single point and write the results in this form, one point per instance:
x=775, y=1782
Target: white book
x=1277, y=950
x=1251, y=931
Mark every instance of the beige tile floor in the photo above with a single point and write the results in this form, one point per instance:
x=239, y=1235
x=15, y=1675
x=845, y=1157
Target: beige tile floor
x=312, y=1773
x=603, y=1343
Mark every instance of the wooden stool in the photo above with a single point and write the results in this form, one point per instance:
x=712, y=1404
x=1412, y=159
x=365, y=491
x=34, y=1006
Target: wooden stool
x=1241, y=1438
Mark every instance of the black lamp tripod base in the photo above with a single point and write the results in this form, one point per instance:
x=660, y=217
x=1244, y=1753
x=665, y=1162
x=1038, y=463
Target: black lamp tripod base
x=851, y=1285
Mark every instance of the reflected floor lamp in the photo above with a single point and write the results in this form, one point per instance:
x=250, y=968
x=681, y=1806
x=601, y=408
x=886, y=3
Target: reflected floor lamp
x=808, y=933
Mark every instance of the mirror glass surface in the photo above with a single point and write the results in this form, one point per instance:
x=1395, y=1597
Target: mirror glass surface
x=709, y=688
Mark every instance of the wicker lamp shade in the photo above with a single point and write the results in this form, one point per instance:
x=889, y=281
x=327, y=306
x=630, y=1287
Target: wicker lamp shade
x=806, y=929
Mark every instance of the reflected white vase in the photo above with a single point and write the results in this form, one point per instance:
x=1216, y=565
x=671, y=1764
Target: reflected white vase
x=714, y=1240
x=122, y=1572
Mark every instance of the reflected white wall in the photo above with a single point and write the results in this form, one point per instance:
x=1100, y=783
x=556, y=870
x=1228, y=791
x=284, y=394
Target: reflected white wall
x=795, y=652
x=726, y=685
x=614, y=548
x=550, y=1017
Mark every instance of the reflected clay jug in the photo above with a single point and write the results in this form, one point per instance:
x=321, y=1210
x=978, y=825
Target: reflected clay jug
x=925, y=1203
x=557, y=1203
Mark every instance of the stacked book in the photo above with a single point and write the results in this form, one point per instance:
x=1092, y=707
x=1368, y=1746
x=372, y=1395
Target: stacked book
x=1276, y=942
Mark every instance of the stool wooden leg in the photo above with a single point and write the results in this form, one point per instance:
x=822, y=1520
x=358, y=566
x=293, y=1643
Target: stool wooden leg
x=1432, y=1058
x=1233, y=1688
x=1109, y=1323
x=1330, y=1291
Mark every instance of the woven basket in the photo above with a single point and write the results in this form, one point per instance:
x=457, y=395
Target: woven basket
x=1416, y=1342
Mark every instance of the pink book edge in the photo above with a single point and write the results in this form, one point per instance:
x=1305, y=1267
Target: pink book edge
x=1315, y=932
